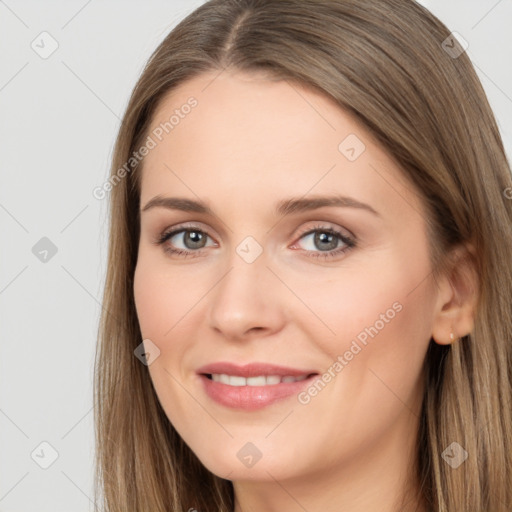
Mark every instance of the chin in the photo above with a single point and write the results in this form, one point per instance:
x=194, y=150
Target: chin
x=244, y=461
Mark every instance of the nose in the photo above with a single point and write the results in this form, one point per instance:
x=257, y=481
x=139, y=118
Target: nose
x=247, y=301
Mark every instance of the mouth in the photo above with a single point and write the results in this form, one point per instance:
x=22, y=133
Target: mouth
x=259, y=380
x=254, y=385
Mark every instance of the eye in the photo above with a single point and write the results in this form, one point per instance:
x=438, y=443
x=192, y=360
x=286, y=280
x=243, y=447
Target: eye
x=192, y=239
x=321, y=241
x=329, y=242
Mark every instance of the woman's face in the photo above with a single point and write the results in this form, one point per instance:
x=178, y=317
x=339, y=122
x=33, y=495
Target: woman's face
x=302, y=253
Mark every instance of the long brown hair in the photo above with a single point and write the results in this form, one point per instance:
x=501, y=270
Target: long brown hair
x=387, y=63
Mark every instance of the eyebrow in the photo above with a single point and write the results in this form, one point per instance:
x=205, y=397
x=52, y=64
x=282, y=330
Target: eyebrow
x=284, y=207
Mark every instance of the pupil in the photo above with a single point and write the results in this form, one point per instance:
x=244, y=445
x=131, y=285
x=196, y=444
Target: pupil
x=326, y=237
x=198, y=236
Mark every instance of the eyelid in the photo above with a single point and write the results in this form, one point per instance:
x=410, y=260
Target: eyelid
x=187, y=225
x=320, y=225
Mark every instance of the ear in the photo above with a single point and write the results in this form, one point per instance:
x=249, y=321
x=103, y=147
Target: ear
x=457, y=297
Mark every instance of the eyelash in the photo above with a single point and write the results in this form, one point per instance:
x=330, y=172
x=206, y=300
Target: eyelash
x=349, y=242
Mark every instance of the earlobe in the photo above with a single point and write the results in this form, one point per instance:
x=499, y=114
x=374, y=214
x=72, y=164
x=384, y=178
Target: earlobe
x=446, y=338
x=457, y=297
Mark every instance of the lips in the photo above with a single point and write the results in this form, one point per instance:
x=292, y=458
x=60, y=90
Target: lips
x=252, y=386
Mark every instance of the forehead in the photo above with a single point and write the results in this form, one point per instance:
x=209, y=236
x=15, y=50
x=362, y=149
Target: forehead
x=252, y=138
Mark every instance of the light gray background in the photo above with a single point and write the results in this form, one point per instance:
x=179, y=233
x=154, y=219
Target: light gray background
x=59, y=117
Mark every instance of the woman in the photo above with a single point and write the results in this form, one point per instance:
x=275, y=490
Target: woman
x=307, y=304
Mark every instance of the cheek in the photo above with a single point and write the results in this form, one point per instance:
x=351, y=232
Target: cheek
x=150, y=301
x=161, y=299
x=358, y=301
x=162, y=302
x=379, y=318
x=382, y=323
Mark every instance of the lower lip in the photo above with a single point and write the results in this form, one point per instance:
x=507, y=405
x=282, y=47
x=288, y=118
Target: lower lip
x=251, y=398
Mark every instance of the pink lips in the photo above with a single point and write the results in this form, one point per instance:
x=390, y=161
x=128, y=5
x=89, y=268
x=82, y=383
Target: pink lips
x=251, y=398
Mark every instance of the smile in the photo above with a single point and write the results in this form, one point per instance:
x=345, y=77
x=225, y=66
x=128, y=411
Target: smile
x=260, y=380
x=252, y=386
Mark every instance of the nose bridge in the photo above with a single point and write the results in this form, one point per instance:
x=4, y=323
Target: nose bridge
x=246, y=297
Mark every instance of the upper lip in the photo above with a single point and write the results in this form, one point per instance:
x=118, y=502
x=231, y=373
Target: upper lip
x=252, y=370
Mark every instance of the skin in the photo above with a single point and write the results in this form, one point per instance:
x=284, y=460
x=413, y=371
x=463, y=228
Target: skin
x=248, y=144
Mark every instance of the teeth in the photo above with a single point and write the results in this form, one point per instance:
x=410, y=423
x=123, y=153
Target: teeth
x=237, y=381
x=260, y=380
x=224, y=379
x=272, y=379
x=256, y=381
